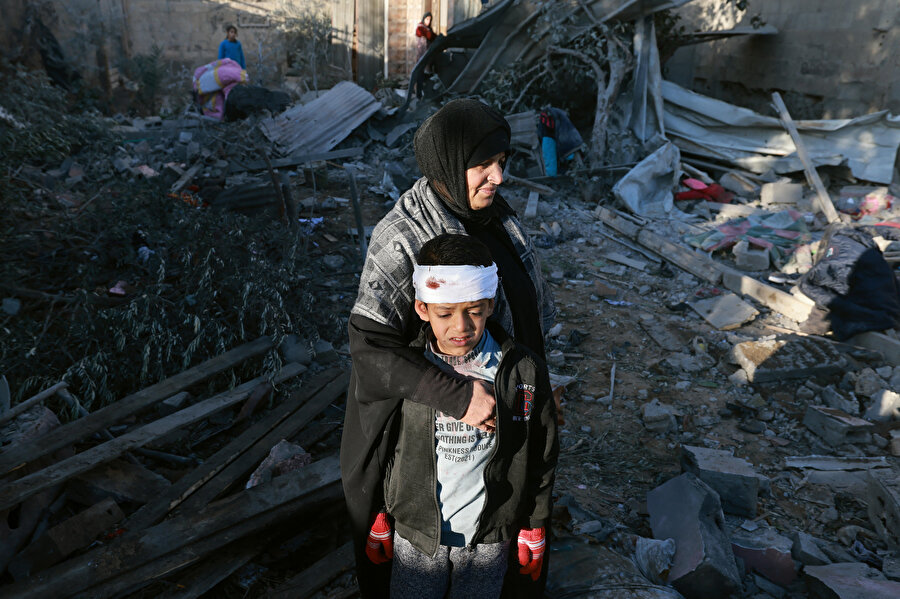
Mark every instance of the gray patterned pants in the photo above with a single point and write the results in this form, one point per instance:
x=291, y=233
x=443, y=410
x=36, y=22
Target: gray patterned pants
x=454, y=573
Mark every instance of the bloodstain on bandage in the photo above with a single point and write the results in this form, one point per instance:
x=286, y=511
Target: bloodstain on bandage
x=433, y=283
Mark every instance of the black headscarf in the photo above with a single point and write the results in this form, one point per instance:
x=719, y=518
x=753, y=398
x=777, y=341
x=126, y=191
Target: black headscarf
x=462, y=134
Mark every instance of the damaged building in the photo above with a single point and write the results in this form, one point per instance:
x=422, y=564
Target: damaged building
x=712, y=188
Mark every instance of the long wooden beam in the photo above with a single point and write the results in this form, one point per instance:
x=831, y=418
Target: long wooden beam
x=115, y=412
x=14, y=492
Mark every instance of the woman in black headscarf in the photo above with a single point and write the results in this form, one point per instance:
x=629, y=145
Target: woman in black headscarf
x=461, y=150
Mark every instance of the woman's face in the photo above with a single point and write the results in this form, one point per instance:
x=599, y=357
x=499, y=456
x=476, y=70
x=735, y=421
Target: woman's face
x=427, y=21
x=483, y=180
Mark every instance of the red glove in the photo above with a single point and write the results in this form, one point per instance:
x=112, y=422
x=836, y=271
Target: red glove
x=380, y=544
x=531, y=551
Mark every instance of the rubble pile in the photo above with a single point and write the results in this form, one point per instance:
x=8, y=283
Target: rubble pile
x=176, y=291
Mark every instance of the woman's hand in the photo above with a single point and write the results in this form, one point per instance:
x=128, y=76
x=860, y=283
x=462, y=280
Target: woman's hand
x=480, y=413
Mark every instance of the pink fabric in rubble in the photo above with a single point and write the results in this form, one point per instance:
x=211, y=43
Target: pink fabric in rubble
x=212, y=82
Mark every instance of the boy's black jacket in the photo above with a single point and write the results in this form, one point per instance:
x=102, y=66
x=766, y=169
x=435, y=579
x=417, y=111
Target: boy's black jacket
x=520, y=475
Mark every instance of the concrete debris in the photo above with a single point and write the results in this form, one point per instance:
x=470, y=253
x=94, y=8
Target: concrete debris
x=687, y=510
x=883, y=500
x=283, y=458
x=806, y=550
x=849, y=581
x=832, y=398
x=781, y=359
x=766, y=552
x=733, y=478
x=659, y=417
x=885, y=406
x=654, y=558
x=868, y=383
x=836, y=427
x=780, y=192
x=748, y=258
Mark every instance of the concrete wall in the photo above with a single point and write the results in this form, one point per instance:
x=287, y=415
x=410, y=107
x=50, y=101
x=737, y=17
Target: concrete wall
x=100, y=36
x=833, y=58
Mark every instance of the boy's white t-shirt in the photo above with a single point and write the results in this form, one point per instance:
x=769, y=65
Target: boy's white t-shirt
x=462, y=450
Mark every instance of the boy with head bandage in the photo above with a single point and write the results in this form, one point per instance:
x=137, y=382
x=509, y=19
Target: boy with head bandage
x=467, y=502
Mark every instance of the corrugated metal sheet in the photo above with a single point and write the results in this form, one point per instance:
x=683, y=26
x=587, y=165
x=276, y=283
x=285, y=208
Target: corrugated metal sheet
x=323, y=123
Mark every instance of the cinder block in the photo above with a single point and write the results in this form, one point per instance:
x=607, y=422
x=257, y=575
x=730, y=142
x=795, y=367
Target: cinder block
x=747, y=258
x=733, y=478
x=780, y=193
x=688, y=510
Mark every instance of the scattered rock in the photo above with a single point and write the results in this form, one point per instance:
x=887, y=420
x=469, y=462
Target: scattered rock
x=324, y=352
x=766, y=552
x=733, y=478
x=687, y=510
x=885, y=406
x=832, y=398
x=806, y=550
x=883, y=499
x=10, y=306
x=868, y=383
x=884, y=372
x=283, y=458
x=659, y=417
x=333, y=261
x=836, y=427
x=295, y=349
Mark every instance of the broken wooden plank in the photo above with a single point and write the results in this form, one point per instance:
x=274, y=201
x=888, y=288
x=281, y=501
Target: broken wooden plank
x=66, y=538
x=824, y=200
x=14, y=492
x=630, y=262
x=214, y=569
x=316, y=576
x=140, y=556
x=725, y=312
x=186, y=177
x=119, y=480
x=887, y=346
x=781, y=302
x=634, y=247
x=249, y=460
x=31, y=401
x=251, y=445
x=295, y=160
x=70, y=433
x=531, y=206
x=699, y=265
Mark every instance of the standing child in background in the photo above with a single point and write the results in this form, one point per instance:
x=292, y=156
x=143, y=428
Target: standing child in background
x=459, y=495
x=424, y=36
x=231, y=47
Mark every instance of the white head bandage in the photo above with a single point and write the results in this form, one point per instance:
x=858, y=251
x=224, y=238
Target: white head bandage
x=454, y=284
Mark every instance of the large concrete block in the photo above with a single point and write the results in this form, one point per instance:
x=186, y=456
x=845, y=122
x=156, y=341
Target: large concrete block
x=780, y=359
x=750, y=258
x=766, y=552
x=836, y=427
x=852, y=580
x=733, y=478
x=883, y=499
x=806, y=551
x=885, y=406
x=688, y=510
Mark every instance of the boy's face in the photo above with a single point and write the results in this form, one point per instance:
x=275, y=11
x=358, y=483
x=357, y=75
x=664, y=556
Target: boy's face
x=457, y=327
x=232, y=35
